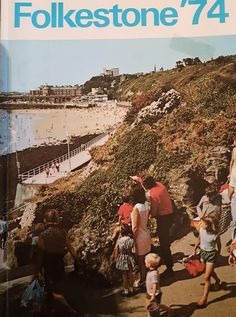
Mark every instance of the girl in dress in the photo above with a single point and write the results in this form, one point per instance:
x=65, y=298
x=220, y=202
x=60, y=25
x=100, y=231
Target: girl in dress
x=125, y=260
x=209, y=243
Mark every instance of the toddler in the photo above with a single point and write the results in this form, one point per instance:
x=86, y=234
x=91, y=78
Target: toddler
x=153, y=295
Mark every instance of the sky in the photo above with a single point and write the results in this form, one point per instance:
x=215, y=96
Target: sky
x=25, y=65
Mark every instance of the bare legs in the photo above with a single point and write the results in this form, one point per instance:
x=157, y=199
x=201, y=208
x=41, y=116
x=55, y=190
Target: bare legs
x=209, y=272
x=61, y=299
x=142, y=268
x=127, y=277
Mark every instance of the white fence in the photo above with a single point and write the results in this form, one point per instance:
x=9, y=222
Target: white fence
x=41, y=168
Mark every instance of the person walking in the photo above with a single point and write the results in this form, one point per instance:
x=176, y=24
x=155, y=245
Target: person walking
x=57, y=166
x=161, y=208
x=210, y=246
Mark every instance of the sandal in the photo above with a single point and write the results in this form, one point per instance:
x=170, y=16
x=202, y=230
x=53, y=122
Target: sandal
x=216, y=287
x=202, y=303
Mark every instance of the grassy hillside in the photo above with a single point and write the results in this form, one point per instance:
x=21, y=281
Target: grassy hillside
x=183, y=147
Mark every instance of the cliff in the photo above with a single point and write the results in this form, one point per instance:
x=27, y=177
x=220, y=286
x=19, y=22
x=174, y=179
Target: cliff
x=179, y=130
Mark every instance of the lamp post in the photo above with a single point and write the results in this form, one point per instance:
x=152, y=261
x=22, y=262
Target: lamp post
x=68, y=138
x=17, y=165
x=14, y=141
x=68, y=149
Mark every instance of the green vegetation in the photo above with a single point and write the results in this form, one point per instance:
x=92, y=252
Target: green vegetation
x=204, y=120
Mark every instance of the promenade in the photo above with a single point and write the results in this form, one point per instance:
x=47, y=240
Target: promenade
x=66, y=166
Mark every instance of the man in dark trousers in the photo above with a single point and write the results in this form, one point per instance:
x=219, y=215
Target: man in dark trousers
x=161, y=209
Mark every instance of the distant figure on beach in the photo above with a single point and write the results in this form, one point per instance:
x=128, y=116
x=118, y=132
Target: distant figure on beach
x=53, y=242
x=162, y=210
x=210, y=247
x=142, y=239
x=57, y=166
x=125, y=261
x=47, y=171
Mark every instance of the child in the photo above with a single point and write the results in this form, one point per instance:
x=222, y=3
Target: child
x=125, y=260
x=124, y=213
x=210, y=203
x=153, y=295
x=209, y=242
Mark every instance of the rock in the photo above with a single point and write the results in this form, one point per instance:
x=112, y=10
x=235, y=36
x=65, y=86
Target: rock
x=166, y=103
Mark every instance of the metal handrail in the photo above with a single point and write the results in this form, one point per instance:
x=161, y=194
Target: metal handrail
x=60, y=159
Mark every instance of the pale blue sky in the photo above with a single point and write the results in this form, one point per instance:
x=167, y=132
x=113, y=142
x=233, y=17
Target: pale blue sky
x=32, y=63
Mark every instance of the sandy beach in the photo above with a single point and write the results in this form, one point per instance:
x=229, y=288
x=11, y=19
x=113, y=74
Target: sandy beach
x=33, y=127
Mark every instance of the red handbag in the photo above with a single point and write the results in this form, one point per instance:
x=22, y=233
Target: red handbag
x=194, y=266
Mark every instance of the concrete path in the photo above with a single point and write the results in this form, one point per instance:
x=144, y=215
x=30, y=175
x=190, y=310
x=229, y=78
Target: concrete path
x=74, y=162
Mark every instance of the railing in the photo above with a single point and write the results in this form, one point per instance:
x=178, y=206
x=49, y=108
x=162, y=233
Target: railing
x=16, y=212
x=40, y=169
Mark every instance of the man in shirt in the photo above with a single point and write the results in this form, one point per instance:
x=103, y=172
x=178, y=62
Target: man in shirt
x=162, y=209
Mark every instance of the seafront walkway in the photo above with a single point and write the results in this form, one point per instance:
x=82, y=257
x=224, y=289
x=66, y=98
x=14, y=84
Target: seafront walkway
x=67, y=163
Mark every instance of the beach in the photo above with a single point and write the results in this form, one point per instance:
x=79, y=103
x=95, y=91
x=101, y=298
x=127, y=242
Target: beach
x=34, y=127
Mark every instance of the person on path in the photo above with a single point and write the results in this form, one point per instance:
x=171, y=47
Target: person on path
x=53, y=168
x=57, y=167
x=154, y=293
x=139, y=217
x=209, y=242
x=232, y=188
x=162, y=209
x=125, y=261
x=47, y=171
x=53, y=243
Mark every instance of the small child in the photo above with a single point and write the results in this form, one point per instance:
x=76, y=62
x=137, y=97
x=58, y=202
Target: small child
x=154, y=294
x=125, y=260
x=209, y=242
x=124, y=213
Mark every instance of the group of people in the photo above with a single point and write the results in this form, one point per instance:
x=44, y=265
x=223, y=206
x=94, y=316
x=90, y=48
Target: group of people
x=151, y=199
x=50, y=170
x=146, y=199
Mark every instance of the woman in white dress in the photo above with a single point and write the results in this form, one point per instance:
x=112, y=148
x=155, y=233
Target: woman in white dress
x=232, y=188
x=139, y=217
